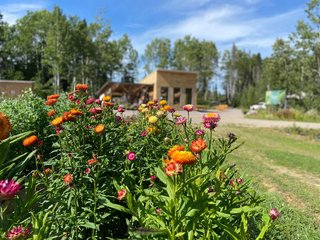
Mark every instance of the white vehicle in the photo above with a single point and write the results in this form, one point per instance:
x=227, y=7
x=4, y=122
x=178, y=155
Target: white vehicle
x=260, y=105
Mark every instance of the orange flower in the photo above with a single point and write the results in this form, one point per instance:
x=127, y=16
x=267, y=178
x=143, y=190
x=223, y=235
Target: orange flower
x=107, y=98
x=51, y=102
x=183, y=157
x=68, y=116
x=5, y=127
x=82, y=87
x=54, y=96
x=198, y=145
x=121, y=194
x=51, y=113
x=175, y=148
x=48, y=171
x=92, y=161
x=99, y=128
x=166, y=108
x=68, y=178
x=172, y=168
x=57, y=121
x=29, y=141
x=75, y=112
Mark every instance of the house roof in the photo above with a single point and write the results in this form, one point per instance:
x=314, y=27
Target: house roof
x=121, y=87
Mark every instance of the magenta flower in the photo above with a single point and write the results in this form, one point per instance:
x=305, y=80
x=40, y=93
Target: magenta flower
x=97, y=101
x=131, y=156
x=210, y=120
x=9, y=189
x=87, y=171
x=239, y=180
x=153, y=177
x=199, y=132
x=188, y=107
x=120, y=109
x=71, y=97
x=274, y=213
x=180, y=120
x=158, y=210
x=118, y=119
x=144, y=133
x=171, y=110
x=18, y=233
x=77, y=101
x=90, y=101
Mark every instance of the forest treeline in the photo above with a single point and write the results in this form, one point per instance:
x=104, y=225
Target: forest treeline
x=57, y=51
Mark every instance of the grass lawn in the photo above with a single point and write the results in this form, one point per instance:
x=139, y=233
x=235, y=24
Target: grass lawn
x=285, y=169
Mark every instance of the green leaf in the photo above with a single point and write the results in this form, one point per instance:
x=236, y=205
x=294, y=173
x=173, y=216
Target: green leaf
x=229, y=230
x=192, y=212
x=166, y=180
x=245, y=209
x=117, y=207
x=89, y=225
x=180, y=234
x=4, y=149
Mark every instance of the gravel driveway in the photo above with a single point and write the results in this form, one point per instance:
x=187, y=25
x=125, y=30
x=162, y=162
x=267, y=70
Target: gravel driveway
x=235, y=116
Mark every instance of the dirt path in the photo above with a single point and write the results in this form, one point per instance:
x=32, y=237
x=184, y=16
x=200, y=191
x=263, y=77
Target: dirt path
x=235, y=116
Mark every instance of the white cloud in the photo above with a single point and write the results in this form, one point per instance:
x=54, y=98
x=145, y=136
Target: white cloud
x=226, y=25
x=13, y=11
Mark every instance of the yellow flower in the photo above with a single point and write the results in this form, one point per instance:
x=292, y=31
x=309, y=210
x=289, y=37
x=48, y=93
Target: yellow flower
x=145, y=110
x=107, y=98
x=57, y=121
x=183, y=157
x=99, y=128
x=174, y=149
x=159, y=113
x=177, y=114
x=163, y=102
x=166, y=107
x=152, y=119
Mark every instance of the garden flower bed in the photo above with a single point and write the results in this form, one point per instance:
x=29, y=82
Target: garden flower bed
x=92, y=173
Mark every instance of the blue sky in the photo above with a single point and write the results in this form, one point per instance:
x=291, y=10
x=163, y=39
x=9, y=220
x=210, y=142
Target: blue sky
x=252, y=25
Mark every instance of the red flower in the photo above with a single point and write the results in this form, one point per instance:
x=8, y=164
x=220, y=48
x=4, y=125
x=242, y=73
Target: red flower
x=198, y=145
x=68, y=178
x=121, y=194
x=172, y=168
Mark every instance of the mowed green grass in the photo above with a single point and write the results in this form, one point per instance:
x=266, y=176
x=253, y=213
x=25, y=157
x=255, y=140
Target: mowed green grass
x=285, y=169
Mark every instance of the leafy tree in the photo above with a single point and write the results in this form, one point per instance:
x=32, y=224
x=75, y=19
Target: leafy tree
x=157, y=54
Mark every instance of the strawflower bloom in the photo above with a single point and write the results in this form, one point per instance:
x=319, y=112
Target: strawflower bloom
x=198, y=145
x=231, y=182
x=51, y=102
x=8, y=189
x=153, y=177
x=48, y=171
x=158, y=210
x=210, y=120
x=82, y=87
x=57, y=121
x=166, y=108
x=239, y=180
x=163, y=102
x=181, y=120
x=150, y=103
x=152, y=119
x=87, y=171
x=54, y=96
x=120, y=109
x=90, y=101
x=121, y=194
x=51, y=113
x=59, y=129
x=274, y=214
x=68, y=117
x=174, y=149
x=199, y=132
x=107, y=98
x=92, y=161
x=71, y=97
x=5, y=127
x=68, y=178
x=99, y=128
x=75, y=112
x=171, y=110
x=18, y=233
x=131, y=156
x=144, y=133
x=29, y=141
x=172, y=168
x=188, y=107
x=183, y=157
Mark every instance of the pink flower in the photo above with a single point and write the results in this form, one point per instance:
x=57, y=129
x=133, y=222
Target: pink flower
x=199, y=132
x=97, y=101
x=95, y=110
x=239, y=180
x=121, y=194
x=87, y=171
x=71, y=97
x=90, y=101
x=274, y=213
x=180, y=120
x=210, y=120
x=77, y=101
x=120, y=109
x=188, y=107
x=18, y=233
x=158, y=210
x=153, y=177
x=59, y=129
x=8, y=189
x=144, y=133
x=131, y=156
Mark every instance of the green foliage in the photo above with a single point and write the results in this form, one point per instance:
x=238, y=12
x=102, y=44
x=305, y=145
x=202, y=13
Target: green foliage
x=70, y=192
